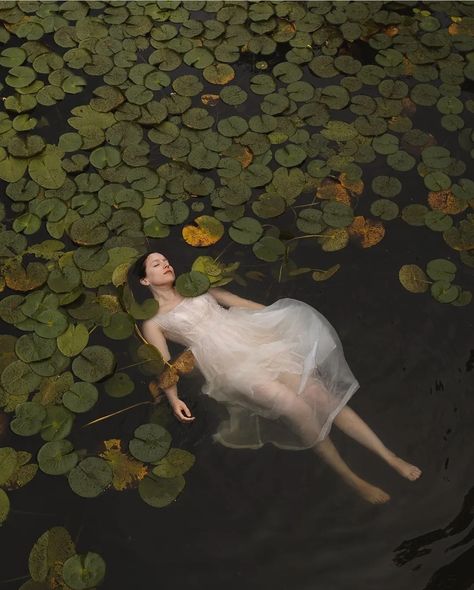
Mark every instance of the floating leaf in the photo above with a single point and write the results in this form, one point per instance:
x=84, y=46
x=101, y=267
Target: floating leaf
x=4, y=506
x=192, y=283
x=18, y=378
x=160, y=492
x=8, y=463
x=28, y=419
x=246, y=230
x=31, y=347
x=119, y=385
x=268, y=248
x=444, y=291
x=151, y=442
x=46, y=170
x=324, y=275
x=366, y=232
x=81, y=572
x=90, y=477
x=175, y=463
x=440, y=269
x=57, y=457
x=93, y=364
x=57, y=423
x=20, y=279
x=413, y=278
x=73, y=340
x=126, y=470
x=120, y=326
x=80, y=397
x=209, y=230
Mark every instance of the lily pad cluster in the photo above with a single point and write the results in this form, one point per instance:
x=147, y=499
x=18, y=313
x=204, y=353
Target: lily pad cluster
x=442, y=273
x=54, y=563
x=15, y=472
x=169, y=127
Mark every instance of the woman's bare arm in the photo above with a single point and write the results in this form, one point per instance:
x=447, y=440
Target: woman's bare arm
x=228, y=299
x=154, y=335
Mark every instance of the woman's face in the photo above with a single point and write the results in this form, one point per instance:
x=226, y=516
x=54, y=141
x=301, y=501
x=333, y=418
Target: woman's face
x=158, y=270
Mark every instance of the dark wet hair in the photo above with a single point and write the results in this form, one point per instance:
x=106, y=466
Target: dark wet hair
x=136, y=272
x=138, y=268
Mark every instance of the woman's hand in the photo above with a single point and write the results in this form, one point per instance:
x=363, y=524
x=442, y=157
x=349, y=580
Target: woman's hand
x=181, y=411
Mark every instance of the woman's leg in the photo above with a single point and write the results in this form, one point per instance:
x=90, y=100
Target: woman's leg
x=352, y=424
x=295, y=411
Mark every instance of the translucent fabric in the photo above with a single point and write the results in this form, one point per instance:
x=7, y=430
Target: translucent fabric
x=280, y=370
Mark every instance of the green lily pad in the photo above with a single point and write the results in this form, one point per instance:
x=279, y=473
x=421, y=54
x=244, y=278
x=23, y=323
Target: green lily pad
x=18, y=378
x=4, y=506
x=73, y=340
x=47, y=171
x=151, y=442
x=31, y=347
x=81, y=572
x=50, y=323
x=246, y=230
x=57, y=423
x=444, y=291
x=28, y=418
x=80, y=397
x=175, y=463
x=90, y=477
x=57, y=457
x=8, y=463
x=192, y=283
x=160, y=492
x=93, y=364
x=386, y=186
x=337, y=214
x=62, y=280
x=119, y=385
x=268, y=248
x=172, y=213
x=121, y=326
x=440, y=269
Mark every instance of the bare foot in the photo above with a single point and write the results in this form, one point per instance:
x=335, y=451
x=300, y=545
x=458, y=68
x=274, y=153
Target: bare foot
x=371, y=493
x=411, y=472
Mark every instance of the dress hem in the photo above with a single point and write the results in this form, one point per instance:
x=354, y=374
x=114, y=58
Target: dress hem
x=324, y=430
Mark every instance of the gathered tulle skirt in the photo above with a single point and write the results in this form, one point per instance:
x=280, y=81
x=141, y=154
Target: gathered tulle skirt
x=280, y=371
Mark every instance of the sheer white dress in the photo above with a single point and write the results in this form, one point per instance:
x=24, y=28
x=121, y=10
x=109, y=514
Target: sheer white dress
x=239, y=350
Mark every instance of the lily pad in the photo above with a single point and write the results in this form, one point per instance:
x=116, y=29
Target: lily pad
x=413, y=278
x=192, y=283
x=90, y=477
x=94, y=363
x=81, y=572
x=80, y=397
x=73, y=340
x=57, y=457
x=175, y=463
x=151, y=442
x=28, y=418
x=119, y=385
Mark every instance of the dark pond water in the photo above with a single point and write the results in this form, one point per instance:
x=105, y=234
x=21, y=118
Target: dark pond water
x=279, y=519
x=282, y=519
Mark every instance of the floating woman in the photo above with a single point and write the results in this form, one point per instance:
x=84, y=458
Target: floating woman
x=279, y=369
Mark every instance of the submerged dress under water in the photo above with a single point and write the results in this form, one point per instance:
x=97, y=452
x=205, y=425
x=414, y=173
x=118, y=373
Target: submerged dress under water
x=280, y=370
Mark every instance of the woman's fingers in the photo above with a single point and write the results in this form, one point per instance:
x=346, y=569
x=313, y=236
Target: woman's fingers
x=179, y=413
